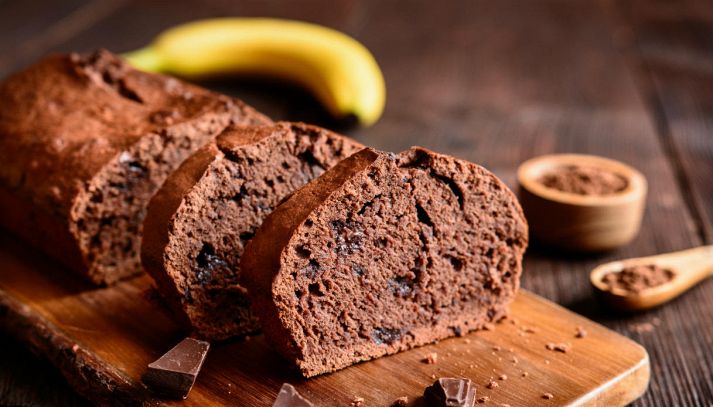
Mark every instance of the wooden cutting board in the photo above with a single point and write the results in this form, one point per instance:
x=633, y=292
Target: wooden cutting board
x=103, y=338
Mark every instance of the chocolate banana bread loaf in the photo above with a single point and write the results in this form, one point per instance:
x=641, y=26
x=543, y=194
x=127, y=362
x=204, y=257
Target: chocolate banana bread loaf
x=200, y=220
x=85, y=141
x=383, y=253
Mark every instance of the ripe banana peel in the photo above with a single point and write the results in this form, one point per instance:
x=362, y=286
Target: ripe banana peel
x=337, y=69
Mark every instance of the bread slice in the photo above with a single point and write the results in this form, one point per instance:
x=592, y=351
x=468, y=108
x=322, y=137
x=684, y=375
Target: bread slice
x=85, y=141
x=200, y=220
x=383, y=253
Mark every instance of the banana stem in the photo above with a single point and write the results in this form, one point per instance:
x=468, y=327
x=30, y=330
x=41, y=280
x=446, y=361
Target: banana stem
x=145, y=59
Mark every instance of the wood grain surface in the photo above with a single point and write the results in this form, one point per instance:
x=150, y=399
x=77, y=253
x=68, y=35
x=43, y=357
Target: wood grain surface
x=495, y=83
x=102, y=339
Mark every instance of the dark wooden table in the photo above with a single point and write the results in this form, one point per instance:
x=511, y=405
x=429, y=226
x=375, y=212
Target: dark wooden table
x=495, y=82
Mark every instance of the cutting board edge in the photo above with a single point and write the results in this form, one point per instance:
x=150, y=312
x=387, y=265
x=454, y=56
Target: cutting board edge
x=622, y=389
x=96, y=381
x=100, y=383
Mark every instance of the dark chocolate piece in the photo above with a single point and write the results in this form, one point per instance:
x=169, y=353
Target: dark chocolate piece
x=174, y=373
x=450, y=392
x=288, y=397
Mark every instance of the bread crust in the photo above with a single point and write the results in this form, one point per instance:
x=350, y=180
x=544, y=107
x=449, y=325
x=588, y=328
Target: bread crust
x=66, y=119
x=260, y=264
x=158, y=222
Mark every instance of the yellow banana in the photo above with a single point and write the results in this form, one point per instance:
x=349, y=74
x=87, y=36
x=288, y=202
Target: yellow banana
x=337, y=69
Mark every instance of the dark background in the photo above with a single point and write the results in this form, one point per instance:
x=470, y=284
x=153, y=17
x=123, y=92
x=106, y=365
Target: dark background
x=494, y=82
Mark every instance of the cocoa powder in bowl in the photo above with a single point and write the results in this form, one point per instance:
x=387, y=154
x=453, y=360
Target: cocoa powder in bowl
x=635, y=279
x=584, y=180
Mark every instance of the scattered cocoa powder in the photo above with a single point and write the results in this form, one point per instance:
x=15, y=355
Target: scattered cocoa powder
x=643, y=327
x=635, y=279
x=584, y=180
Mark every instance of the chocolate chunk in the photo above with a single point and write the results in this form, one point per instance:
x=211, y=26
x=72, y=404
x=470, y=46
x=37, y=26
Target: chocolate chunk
x=450, y=392
x=174, y=373
x=288, y=397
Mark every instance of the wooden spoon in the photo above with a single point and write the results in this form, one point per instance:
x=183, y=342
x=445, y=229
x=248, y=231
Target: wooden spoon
x=689, y=267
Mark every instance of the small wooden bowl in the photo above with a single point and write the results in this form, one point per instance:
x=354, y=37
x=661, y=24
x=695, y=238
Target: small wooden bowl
x=589, y=223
